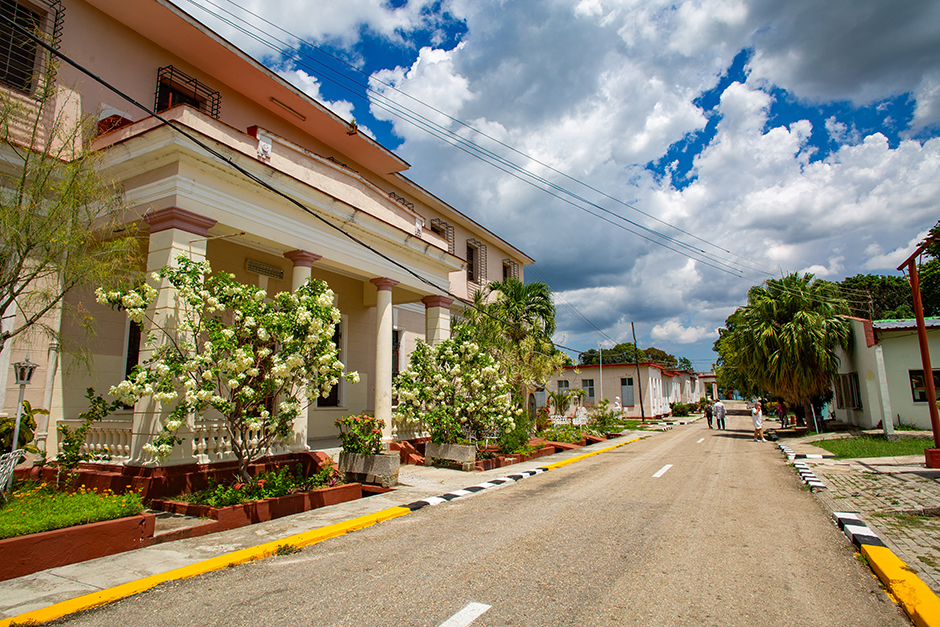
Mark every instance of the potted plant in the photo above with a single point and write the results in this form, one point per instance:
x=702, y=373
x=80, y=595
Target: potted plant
x=363, y=459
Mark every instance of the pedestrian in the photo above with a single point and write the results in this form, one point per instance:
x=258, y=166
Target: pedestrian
x=782, y=414
x=719, y=410
x=757, y=417
x=708, y=414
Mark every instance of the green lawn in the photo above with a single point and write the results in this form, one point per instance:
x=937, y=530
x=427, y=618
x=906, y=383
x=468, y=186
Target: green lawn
x=35, y=507
x=868, y=446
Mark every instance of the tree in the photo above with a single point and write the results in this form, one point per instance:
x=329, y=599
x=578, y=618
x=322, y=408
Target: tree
x=784, y=340
x=228, y=348
x=877, y=297
x=623, y=353
x=661, y=357
x=456, y=390
x=685, y=363
x=59, y=218
x=515, y=329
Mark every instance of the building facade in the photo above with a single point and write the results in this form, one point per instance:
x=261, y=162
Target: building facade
x=881, y=375
x=246, y=171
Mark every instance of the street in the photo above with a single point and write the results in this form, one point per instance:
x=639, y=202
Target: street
x=688, y=527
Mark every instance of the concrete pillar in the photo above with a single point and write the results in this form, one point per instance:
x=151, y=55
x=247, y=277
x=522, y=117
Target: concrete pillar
x=173, y=232
x=303, y=262
x=436, y=318
x=383, y=353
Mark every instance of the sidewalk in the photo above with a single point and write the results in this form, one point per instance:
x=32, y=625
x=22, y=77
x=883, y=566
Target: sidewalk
x=189, y=557
x=897, y=497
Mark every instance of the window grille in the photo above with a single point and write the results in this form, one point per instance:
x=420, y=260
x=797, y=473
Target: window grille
x=175, y=87
x=20, y=55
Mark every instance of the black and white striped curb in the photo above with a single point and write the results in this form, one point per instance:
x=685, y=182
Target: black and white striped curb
x=856, y=530
x=791, y=455
x=808, y=477
x=486, y=485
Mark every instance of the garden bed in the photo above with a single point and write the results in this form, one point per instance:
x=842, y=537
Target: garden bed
x=31, y=553
x=242, y=514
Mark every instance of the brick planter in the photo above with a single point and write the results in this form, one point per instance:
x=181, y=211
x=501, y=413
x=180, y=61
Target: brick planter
x=28, y=554
x=235, y=516
x=932, y=457
x=381, y=469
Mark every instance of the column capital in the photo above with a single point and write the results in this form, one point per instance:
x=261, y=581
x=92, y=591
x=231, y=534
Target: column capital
x=303, y=258
x=384, y=284
x=437, y=300
x=176, y=218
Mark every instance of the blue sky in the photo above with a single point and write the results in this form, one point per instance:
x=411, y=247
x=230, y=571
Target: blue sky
x=745, y=138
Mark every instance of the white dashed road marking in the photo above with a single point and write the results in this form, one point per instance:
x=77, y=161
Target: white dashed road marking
x=700, y=441
x=467, y=615
x=662, y=471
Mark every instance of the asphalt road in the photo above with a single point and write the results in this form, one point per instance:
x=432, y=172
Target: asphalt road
x=723, y=536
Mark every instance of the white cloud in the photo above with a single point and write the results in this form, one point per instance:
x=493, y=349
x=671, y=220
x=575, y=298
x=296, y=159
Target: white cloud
x=310, y=85
x=674, y=332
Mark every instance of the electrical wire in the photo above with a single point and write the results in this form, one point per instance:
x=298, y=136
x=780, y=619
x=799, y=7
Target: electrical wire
x=479, y=152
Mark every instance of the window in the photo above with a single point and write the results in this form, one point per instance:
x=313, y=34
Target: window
x=471, y=263
x=848, y=395
x=18, y=52
x=396, y=352
x=333, y=399
x=919, y=385
x=510, y=269
x=476, y=261
x=444, y=230
x=132, y=353
x=562, y=385
x=588, y=386
x=507, y=271
x=175, y=87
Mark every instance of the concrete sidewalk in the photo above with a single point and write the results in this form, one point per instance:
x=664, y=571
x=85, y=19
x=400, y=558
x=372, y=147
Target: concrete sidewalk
x=191, y=556
x=898, y=497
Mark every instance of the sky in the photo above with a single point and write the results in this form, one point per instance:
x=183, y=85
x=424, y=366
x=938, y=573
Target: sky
x=656, y=159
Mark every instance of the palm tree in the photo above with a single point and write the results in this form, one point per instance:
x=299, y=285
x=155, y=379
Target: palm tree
x=516, y=328
x=784, y=340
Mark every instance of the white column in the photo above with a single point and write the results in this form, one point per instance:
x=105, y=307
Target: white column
x=436, y=318
x=303, y=262
x=383, y=353
x=173, y=232
x=887, y=420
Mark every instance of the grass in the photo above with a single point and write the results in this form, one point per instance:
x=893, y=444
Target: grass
x=36, y=507
x=869, y=446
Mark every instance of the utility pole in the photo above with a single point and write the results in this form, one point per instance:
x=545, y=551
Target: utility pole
x=601, y=351
x=932, y=455
x=636, y=361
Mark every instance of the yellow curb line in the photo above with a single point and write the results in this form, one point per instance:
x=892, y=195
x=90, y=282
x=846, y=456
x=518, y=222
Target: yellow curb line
x=585, y=456
x=305, y=538
x=109, y=595
x=917, y=599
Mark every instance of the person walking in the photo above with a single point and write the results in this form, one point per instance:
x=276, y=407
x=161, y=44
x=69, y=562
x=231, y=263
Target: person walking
x=719, y=410
x=708, y=415
x=757, y=418
x=782, y=414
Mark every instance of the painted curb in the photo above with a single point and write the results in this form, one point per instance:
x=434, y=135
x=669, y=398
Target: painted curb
x=918, y=600
x=305, y=538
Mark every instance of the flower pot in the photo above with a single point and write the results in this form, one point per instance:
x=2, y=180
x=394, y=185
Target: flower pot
x=463, y=454
x=381, y=469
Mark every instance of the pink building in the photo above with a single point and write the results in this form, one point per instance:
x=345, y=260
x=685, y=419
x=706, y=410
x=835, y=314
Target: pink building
x=326, y=176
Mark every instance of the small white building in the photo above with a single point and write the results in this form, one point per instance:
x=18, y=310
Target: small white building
x=648, y=383
x=882, y=374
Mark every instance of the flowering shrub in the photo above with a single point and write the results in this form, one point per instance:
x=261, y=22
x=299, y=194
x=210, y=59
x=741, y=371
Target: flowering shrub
x=456, y=390
x=233, y=350
x=279, y=482
x=361, y=434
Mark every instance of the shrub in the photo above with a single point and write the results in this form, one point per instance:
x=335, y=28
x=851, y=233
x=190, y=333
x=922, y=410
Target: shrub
x=679, y=410
x=603, y=418
x=361, y=434
x=267, y=485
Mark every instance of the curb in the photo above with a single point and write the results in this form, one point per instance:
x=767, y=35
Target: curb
x=306, y=538
x=807, y=475
x=918, y=600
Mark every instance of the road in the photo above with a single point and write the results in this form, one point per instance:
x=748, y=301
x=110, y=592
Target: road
x=690, y=527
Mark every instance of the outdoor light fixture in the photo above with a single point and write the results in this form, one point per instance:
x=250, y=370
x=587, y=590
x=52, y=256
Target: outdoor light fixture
x=24, y=374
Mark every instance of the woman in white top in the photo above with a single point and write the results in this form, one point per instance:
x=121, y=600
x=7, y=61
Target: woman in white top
x=757, y=417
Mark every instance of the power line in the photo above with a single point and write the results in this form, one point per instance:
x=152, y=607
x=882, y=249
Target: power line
x=479, y=152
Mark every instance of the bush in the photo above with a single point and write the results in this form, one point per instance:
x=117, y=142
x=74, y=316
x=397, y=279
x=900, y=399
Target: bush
x=517, y=438
x=361, y=434
x=679, y=410
x=563, y=433
x=267, y=485
x=603, y=418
